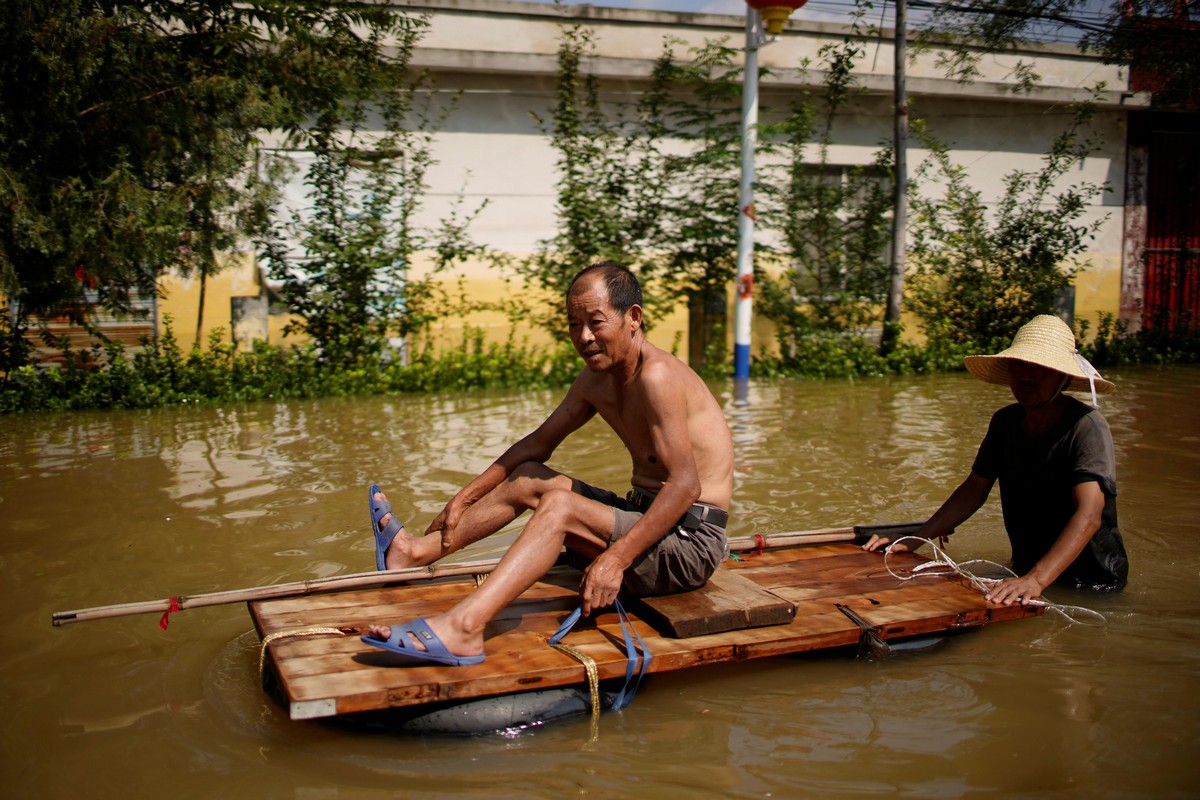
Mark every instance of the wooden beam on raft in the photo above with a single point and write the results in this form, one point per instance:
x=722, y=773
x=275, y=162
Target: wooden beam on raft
x=728, y=602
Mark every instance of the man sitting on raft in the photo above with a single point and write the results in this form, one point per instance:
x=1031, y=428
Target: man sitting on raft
x=1053, y=456
x=666, y=535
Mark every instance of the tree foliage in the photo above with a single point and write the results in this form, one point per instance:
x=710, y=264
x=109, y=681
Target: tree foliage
x=610, y=173
x=348, y=280
x=981, y=272
x=652, y=183
x=833, y=221
x=127, y=130
x=1157, y=39
x=702, y=200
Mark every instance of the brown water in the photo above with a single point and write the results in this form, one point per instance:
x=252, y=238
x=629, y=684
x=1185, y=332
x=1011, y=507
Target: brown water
x=113, y=507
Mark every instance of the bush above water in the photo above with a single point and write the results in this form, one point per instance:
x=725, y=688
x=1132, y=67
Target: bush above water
x=846, y=355
x=162, y=374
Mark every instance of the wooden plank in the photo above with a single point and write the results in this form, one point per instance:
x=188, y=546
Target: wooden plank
x=729, y=601
x=327, y=675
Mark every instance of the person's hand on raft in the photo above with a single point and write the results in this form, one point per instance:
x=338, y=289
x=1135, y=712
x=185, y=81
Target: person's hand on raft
x=1015, y=590
x=877, y=542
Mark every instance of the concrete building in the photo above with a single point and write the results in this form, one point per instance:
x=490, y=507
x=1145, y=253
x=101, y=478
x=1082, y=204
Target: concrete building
x=501, y=56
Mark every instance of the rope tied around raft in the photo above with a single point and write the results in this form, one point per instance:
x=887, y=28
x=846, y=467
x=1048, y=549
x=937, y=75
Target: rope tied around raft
x=277, y=635
x=942, y=565
x=593, y=679
x=630, y=635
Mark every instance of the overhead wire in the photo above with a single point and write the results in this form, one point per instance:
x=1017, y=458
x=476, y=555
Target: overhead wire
x=1046, y=27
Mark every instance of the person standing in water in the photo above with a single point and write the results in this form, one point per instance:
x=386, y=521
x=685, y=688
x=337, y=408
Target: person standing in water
x=1053, y=456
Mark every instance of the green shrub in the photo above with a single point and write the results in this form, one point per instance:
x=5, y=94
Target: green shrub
x=161, y=374
x=982, y=270
x=846, y=355
x=1163, y=341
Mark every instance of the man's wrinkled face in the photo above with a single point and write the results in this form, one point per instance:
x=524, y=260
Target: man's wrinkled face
x=599, y=333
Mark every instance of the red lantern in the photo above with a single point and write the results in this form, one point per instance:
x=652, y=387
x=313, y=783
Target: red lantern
x=775, y=12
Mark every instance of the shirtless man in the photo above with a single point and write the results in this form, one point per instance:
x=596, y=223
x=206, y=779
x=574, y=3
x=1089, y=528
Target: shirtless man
x=667, y=535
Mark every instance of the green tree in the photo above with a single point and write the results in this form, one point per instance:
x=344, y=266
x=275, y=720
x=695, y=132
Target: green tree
x=127, y=130
x=833, y=220
x=980, y=272
x=350, y=285
x=1156, y=38
x=702, y=203
x=700, y=220
x=610, y=173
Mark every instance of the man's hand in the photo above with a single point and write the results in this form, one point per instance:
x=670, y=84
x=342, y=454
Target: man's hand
x=876, y=542
x=1021, y=590
x=601, y=583
x=447, y=520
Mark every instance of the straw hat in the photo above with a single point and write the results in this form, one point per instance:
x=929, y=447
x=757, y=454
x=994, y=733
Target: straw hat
x=1047, y=341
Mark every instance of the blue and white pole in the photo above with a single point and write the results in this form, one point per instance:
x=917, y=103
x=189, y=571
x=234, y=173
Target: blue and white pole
x=745, y=249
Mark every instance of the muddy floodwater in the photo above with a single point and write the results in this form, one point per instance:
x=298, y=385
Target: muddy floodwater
x=100, y=508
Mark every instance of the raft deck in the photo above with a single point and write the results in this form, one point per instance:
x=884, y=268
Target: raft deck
x=325, y=675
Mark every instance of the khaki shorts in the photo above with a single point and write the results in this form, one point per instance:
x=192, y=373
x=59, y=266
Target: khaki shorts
x=682, y=560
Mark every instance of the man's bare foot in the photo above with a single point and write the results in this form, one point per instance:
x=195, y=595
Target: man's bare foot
x=456, y=641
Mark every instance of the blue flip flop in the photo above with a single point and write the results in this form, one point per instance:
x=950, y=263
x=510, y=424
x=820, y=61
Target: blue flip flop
x=384, y=535
x=435, y=651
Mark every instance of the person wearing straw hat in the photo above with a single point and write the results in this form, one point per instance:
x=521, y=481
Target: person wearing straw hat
x=1053, y=456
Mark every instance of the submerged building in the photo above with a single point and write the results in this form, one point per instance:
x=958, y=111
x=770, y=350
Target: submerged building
x=499, y=58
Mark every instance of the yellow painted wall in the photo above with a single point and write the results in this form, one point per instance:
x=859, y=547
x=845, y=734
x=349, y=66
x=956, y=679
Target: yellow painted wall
x=665, y=331
x=238, y=276
x=1098, y=290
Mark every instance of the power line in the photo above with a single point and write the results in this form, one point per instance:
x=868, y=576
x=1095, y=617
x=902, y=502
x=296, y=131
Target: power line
x=1043, y=27
x=1015, y=13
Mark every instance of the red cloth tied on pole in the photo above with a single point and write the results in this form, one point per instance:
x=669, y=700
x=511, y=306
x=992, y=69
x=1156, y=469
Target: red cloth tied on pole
x=172, y=609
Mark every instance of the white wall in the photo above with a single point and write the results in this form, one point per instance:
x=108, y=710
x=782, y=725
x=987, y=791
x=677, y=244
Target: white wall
x=501, y=56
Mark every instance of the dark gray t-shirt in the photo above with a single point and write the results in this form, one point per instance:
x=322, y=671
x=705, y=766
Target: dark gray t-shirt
x=1037, y=476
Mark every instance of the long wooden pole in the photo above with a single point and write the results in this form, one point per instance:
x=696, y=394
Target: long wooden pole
x=358, y=580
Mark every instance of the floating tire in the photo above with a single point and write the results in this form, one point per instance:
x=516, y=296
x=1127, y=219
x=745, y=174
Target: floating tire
x=502, y=714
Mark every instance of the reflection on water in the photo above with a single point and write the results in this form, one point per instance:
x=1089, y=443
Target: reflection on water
x=97, y=508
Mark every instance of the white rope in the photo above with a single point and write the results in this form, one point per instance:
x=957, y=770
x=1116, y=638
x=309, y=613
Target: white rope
x=943, y=565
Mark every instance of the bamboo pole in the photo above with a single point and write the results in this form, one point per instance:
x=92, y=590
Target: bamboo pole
x=356, y=580
x=359, y=580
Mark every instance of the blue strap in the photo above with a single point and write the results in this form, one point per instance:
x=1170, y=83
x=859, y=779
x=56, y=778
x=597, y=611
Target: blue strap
x=625, y=696
x=568, y=623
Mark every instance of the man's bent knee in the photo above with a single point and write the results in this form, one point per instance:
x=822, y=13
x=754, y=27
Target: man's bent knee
x=532, y=480
x=555, y=505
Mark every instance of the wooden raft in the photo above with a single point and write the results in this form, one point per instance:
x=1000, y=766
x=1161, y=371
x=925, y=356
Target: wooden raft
x=326, y=675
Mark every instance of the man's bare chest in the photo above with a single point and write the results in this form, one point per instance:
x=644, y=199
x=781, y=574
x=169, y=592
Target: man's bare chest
x=626, y=415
